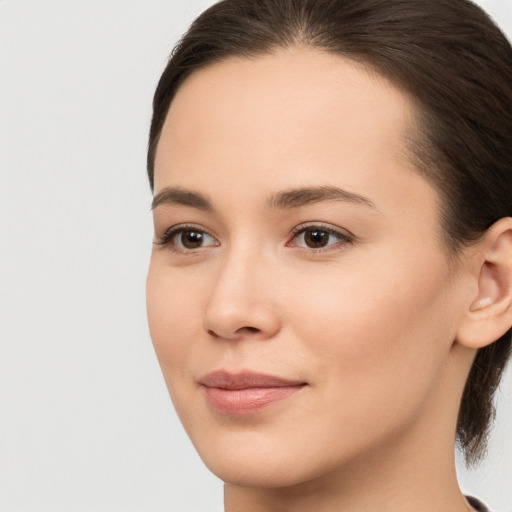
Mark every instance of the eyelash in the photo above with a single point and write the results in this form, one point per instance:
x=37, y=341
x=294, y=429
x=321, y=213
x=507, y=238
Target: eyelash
x=166, y=239
x=344, y=238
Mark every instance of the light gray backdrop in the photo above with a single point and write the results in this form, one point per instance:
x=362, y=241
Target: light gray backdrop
x=85, y=421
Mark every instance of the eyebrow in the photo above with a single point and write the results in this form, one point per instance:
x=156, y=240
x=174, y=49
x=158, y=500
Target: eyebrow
x=288, y=199
x=178, y=196
x=295, y=198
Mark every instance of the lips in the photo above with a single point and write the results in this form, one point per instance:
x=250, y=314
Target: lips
x=246, y=392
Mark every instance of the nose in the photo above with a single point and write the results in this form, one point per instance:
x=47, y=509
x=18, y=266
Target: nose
x=242, y=302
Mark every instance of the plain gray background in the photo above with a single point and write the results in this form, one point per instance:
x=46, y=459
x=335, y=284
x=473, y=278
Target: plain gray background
x=85, y=420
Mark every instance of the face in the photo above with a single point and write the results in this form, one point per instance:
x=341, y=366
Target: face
x=299, y=298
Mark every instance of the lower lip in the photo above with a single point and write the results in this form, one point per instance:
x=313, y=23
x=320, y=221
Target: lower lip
x=247, y=401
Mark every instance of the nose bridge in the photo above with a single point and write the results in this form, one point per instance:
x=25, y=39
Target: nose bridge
x=241, y=301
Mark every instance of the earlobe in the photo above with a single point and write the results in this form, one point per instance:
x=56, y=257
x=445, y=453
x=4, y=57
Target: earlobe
x=489, y=315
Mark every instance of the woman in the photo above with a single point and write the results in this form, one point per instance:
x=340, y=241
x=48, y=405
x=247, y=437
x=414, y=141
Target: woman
x=330, y=290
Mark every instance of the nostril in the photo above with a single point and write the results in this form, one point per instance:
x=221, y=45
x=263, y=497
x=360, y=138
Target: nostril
x=249, y=329
x=236, y=334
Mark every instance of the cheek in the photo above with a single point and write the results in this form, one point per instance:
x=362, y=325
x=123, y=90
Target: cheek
x=378, y=339
x=172, y=313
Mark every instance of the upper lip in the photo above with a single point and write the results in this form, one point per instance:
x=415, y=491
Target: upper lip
x=244, y=380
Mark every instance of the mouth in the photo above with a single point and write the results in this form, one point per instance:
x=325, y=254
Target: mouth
x=247, y=392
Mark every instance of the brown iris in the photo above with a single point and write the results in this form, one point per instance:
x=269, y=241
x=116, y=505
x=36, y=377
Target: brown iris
x=191, y=239
x=316, y=238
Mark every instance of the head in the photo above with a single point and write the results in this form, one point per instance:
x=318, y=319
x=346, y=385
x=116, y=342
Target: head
x=445, y=71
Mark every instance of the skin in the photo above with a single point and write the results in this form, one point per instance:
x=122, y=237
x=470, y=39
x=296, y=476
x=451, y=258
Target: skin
x=370, y=322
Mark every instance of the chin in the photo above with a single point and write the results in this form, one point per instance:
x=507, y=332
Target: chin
x=258, y=472
x=259, y=459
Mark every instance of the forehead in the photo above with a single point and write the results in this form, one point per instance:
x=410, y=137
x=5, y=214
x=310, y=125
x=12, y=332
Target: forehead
x=292, y=96
x=289, y=115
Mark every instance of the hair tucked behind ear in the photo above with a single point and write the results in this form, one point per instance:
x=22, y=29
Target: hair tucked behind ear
x=456, y=64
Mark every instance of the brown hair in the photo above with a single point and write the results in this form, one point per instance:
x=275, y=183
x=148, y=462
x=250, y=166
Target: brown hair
x=456, y=64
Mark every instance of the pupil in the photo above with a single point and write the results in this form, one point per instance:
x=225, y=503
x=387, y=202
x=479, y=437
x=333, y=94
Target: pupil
x=191, y=239
x=316, y=238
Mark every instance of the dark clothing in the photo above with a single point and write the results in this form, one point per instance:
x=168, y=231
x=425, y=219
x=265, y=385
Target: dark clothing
x=477, y=504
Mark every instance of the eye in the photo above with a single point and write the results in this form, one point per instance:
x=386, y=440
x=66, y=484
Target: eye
x=185, y=238
x=318, y=237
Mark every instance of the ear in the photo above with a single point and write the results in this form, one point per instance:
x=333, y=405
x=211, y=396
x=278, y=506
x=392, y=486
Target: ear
x=489, y=314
